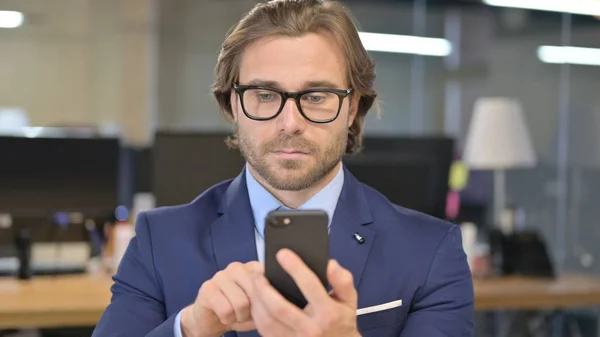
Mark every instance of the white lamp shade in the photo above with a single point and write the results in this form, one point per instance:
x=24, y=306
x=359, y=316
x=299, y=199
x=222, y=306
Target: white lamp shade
x=498, y=136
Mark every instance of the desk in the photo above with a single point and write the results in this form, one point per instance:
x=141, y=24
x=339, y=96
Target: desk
x=66, y=301
x=521, y=293
x=48, y=302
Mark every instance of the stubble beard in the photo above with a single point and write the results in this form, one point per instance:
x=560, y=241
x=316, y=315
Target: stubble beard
x=287, y=175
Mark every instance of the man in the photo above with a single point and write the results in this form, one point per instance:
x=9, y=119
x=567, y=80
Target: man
x=296, y=82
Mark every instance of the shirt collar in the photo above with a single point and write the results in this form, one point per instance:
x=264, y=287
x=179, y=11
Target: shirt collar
x=263, y=202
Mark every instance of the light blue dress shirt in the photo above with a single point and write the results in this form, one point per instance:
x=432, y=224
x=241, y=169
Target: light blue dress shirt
x=263, y=202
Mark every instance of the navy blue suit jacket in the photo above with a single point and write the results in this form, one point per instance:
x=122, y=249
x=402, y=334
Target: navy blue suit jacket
x=407, y=256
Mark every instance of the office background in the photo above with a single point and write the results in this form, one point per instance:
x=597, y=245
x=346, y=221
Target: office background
x=138, y=66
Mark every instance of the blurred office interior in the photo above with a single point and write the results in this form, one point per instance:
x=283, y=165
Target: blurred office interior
x=106, y=111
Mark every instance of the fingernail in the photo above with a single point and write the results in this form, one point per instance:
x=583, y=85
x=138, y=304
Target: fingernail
x=335, y=265
x=278, y=254
x=282, y=253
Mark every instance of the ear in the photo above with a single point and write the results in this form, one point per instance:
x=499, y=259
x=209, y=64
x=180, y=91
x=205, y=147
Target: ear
x=353, y=109
x=233, y=101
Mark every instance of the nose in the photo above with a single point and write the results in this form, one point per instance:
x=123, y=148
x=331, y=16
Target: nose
x=290, y=120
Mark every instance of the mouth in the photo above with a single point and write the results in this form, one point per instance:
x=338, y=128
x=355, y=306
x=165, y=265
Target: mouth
x=290, y=154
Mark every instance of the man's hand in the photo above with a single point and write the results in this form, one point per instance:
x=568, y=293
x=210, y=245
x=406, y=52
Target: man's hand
x=223, y=303
x=330, y=315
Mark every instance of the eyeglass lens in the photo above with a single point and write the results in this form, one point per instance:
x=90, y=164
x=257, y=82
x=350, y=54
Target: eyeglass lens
x=317, y=106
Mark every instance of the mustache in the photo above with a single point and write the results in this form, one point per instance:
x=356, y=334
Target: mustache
x=290, y=142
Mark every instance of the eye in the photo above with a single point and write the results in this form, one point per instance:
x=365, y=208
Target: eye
x=315, y=98
x=265, y=96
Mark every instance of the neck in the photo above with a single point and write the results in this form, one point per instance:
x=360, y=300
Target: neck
x=295, y=199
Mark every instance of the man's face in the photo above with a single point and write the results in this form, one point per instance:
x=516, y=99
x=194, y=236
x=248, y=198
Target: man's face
x=290, y=152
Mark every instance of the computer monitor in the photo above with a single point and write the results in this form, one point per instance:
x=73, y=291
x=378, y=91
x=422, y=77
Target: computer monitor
x=185, y=164
x=411, y=171
x=41, y=175
x=45, y=179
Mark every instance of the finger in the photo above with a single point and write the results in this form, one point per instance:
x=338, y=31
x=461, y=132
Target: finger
x=221, y=306
x=255, y=266
x=242, y=274
x=279, y=309
x=245, y=326
x=309, y=284
x=235, y=295
x=266, y=323
x=342, y=282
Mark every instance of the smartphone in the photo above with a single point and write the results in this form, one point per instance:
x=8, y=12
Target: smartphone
x=306, y=233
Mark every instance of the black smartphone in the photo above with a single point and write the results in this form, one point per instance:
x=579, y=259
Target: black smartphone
x=304, y=232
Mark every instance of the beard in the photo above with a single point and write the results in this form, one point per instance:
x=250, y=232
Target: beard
x=293, y=175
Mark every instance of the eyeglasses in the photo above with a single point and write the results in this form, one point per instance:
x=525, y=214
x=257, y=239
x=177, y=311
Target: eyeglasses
x=316, y=105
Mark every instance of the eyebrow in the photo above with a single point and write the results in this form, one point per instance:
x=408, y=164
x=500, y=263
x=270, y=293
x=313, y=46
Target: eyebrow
x=307, y=85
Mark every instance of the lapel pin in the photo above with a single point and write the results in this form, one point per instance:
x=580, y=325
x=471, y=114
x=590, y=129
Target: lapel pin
x=359, y=238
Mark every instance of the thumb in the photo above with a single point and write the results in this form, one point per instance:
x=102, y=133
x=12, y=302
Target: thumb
x=342, y=283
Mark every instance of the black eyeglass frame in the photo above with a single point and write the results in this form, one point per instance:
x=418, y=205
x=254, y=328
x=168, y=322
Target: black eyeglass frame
x=341, y=94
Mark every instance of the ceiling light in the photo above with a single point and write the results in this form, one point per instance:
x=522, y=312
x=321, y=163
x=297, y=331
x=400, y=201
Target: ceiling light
x=584, y=7
x=570, y=55
x=405, y=44
x=10, y=19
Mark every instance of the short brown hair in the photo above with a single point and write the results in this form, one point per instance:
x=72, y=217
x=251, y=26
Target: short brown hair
x=295, y=18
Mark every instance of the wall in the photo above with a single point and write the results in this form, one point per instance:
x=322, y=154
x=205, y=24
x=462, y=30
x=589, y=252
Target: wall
x=80, y=62
x=45, y=64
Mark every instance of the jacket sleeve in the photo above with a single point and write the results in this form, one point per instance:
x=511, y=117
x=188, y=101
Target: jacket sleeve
x=444, y=306
x=137, y=305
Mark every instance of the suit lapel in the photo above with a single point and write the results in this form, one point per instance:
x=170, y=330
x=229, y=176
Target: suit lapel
x=352, y=215
x=233, y=232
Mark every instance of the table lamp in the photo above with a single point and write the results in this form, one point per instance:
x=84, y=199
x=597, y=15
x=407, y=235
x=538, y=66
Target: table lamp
x=498, y=140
